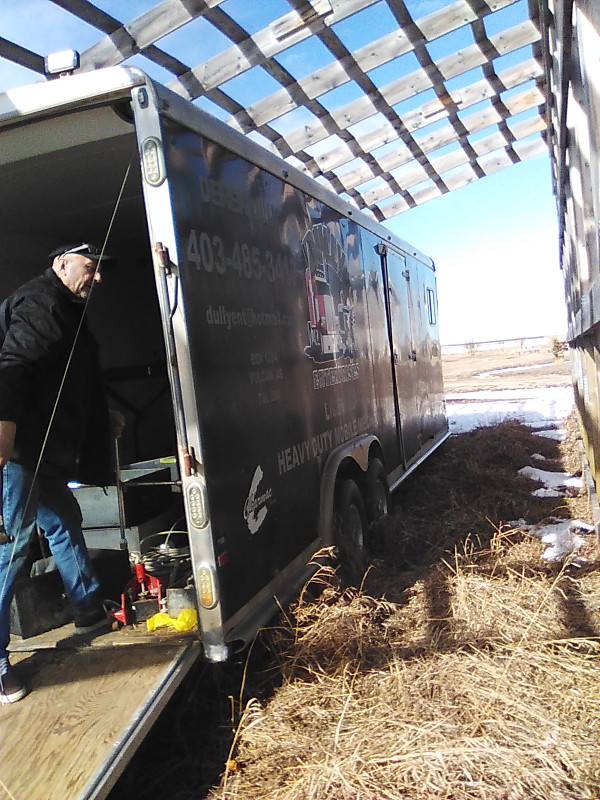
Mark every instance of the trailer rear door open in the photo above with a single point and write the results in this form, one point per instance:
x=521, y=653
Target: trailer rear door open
x=88, y=711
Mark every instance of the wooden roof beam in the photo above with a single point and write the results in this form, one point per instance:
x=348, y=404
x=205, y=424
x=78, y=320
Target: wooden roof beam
x=20, y=55
x=241, y=37
x=493, y=164
x=332, y=42
x=361, y=109
x=458, y=157
x=125, y=40
x=120, y=43
x=89, y=13
x=368, y=57
x=404, y=19
x=416, y=119
x=266, y=43
x=440, y=138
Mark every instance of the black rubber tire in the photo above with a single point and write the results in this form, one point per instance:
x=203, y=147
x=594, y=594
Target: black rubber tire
x=378, y=493
x=352, y=521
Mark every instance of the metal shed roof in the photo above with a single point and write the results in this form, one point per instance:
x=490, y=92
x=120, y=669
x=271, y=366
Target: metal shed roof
x=388, y=105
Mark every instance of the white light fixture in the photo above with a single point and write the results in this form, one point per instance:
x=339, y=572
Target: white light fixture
x=61, y=63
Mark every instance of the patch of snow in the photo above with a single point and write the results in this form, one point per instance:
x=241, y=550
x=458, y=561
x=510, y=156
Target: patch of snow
x=560, y=434
x=539, y=457
x=559, y=549
x=562, y=538
x=547, y=407
x=552, y=480
x=543, y=492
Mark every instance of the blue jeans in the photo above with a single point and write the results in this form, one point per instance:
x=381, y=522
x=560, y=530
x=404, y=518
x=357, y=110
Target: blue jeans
x=51, y=504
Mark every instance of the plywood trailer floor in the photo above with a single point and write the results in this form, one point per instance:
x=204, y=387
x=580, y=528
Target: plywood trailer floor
x=88, y=709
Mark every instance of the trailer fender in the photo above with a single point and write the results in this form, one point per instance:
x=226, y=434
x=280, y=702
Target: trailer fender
x=358, y=450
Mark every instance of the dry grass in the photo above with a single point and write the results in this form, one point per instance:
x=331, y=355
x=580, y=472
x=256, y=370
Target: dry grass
x=519, y=722
x=472, y=676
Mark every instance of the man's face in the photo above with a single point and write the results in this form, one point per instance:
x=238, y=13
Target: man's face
x=77, y=272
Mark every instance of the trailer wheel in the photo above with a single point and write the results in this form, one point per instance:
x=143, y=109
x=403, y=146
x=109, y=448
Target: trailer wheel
x=378, y=493
x=352, y=517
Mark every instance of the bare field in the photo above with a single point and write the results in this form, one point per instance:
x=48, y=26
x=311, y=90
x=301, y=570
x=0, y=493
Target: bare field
x=509, y=367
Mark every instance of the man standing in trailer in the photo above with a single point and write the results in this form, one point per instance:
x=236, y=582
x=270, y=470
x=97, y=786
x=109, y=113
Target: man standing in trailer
x=54, y=427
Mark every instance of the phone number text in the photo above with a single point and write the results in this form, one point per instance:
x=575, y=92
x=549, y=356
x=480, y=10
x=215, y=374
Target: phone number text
x=211, y=254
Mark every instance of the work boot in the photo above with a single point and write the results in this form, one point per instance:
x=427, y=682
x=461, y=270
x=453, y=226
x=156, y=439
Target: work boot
x=91, y=619
x=11, y=688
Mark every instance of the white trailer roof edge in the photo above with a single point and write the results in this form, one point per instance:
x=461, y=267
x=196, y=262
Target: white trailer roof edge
x=63, y=94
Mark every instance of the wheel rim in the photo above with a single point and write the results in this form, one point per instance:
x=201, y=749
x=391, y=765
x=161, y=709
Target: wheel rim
x=352, y=527
x=380, y=500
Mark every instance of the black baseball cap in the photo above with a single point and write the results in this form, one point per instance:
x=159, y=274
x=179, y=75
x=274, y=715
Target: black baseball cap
x=83, y=249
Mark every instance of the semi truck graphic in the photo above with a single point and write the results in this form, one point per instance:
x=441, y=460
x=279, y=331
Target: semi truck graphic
x=330, y=326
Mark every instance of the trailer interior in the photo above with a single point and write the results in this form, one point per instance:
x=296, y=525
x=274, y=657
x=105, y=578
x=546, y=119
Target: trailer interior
x=82, y=200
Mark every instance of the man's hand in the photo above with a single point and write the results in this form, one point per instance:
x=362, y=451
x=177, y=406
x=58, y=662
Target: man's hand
x=7, y=440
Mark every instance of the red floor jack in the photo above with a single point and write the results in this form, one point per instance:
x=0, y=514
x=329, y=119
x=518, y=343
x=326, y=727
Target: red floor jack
x=144, y=589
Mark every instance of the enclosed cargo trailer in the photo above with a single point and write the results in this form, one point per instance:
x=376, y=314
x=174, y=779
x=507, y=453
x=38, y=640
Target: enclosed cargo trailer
x=274, y=351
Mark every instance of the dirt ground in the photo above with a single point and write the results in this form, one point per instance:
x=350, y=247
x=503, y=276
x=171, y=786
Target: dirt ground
x=508, y=367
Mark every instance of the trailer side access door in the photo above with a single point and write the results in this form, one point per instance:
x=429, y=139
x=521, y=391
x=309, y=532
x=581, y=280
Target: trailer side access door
x=404, y=353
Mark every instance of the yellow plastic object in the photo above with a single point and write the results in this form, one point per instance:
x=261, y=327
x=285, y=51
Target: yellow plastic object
x=185, y=621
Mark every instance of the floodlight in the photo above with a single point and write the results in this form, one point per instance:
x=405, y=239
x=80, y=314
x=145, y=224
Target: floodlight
x=61, y=63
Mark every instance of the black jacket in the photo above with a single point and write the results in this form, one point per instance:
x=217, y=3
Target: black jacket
x=38, y=325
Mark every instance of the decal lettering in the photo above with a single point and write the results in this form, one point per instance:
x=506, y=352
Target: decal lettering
x=246, y=318
x=211, y=254
x=302, y=452
x=255, y=507
x=219, y=194
x=331, y=376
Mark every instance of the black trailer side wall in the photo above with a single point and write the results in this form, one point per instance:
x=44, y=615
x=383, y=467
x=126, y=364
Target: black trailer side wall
x=281, y=293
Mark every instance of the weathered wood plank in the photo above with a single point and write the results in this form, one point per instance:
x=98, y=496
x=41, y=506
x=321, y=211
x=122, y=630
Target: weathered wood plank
x=81, y=702
x=442, y=164
x=452, y=17
x=266, y=43
x=493, y=163
x=444, y=136
x=380, y=52
x=472, y=123
x=424, y=115
x=20, y=55
x=89, y=13
x=164, y=18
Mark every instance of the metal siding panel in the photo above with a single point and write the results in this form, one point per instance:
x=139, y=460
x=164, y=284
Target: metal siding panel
x=272, y=399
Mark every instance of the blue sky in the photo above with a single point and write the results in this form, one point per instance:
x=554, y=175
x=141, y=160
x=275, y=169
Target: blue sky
x=494, y=242
x=495, y=245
